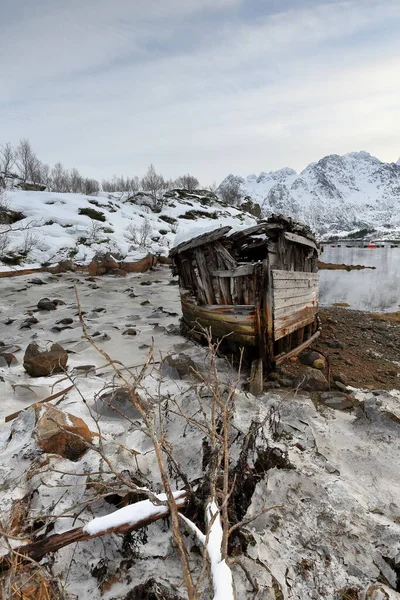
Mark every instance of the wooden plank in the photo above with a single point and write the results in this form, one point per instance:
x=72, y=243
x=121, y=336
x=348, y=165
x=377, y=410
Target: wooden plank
x=288, y=311
x=227, y=259
x=293, y=292
x=279, y=274
x=280, y=359
x=240, y=271
x=204, y=275
x=299, y=239
x=285, y=325
x=308, y=299
x=282, y=284
x=256, y=383
x=199, y=240
x=220, y=332
x=235, y=315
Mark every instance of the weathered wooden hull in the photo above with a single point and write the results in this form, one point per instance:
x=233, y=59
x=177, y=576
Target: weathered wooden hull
x=238, y=323
x=257, y=287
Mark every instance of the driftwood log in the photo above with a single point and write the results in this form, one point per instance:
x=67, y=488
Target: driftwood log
x=38, y=549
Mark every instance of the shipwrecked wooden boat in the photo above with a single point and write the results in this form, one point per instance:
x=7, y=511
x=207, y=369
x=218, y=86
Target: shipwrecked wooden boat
x=256, y=288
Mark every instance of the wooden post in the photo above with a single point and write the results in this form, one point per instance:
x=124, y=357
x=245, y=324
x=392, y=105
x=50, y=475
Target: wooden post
x=256, y=384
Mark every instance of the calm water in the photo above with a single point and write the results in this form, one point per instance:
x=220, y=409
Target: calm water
x=372, y=290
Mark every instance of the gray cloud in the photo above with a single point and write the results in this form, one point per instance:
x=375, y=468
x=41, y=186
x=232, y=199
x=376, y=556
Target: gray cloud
x=200, y=85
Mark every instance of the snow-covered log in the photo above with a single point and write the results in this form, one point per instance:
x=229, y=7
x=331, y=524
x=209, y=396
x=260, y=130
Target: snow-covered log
x=126, y=519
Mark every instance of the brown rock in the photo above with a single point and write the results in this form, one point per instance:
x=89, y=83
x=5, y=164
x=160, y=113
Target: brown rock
x=62, y=267
x=61, y=433
x=44, y=358
x=139, y=266
x=101, y=264
x=117, y=272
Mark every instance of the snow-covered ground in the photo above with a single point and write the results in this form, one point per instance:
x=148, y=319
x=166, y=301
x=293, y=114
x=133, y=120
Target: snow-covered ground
x=334, y=473
x=54, y=229
x=334, y=196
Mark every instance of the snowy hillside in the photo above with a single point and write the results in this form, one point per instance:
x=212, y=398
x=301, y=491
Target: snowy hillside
x=59, y=226
x=338, y=194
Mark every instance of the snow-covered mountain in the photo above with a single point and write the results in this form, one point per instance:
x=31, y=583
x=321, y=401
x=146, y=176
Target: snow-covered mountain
x=336, y=195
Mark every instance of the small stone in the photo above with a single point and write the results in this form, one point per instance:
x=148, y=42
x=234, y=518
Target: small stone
x=10, y=359
x=320, y=364
x=340, y=377
x=178, y=366
x=332, y=343
x=313, y=381
x=67, y=321
x=337, y=400
x=309, y=357
x=130, y=331
x=44, y=358
x=173, y=330
x=36, y=281
x=144, y=303
x=60, y=433
x=46, y=304
x=331, y=468
x=145, y=283
x=132, y=295
x=59, y=302
x=340, y=386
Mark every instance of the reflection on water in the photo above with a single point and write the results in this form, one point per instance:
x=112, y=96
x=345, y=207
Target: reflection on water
x=369, y=289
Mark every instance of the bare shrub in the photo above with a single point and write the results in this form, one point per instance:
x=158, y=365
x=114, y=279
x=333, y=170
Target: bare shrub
x=156, y=186
x=30, y=241
x=187, y=182
x=139, y=235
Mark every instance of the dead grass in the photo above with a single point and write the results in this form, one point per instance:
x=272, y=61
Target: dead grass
x=393, y=317
x=335, y=267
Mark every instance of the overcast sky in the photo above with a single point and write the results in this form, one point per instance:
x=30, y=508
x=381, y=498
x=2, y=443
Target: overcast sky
x=202, y=86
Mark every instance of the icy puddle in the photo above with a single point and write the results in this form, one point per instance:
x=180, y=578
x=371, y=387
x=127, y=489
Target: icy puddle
x=147, y=303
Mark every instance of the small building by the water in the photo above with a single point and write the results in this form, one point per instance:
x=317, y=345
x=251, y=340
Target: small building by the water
x=256, y=289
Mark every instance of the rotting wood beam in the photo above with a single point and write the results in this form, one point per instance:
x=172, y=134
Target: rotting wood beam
x=282, y=357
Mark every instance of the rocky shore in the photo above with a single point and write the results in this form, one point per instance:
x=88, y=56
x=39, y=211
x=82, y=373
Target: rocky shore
x=321, y=446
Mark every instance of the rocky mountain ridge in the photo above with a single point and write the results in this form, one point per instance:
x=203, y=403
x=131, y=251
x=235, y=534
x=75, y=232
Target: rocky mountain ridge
x=337, y=195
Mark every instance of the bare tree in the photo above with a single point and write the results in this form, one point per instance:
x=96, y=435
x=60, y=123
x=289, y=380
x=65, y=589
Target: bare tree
x=59, y=178
x=187, y=182
x=24, y=159
x=230, y=191
x=7, y=158
x=156, y=186
x=90, y=186
x=75, y=181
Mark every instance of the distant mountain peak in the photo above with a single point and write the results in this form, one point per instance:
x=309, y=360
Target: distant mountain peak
x=334, y=195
